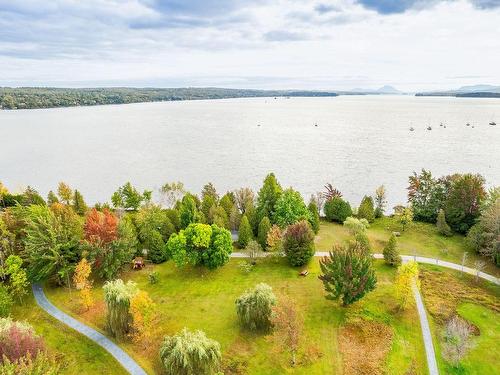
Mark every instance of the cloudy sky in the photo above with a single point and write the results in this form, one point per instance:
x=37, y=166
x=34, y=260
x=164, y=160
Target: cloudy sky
x=338, y=44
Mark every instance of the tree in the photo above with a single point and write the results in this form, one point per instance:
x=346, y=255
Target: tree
x=82, y=282
x=65, y=193
x=356, y=226
x=129, y=198
x=337, y=209
x=210, y=191
x=406, y=276
x=463, y=202
x=144, y=314
x=234, y=218
x=207, y=203
x=380, y=201
x=441, y=224
x=288, y=326
x=298, y=243
x=244, y=198
x=51, y=242
x=52, y=198
x=253, y=250
x=79, y=204
x=268, y=196
x=190, y=353
x=427, y=195
x=274, y=239
x=18, y=279
x=18, y=340
x=31, y=197
x=484, y=237
x=290, y=208
x=171, y=193
x=391, y=252
x=100, y=226
x=188, y=211
x=244, y=232
x=254, y=307
x=331, y=192
x=6, y=301
x=264, y=227
x=227, y=202
x=347, y=273
x=154, y=229
x=456, y=340
x=200, y=244
x=404, y=216
x=117, y=296
x=314, y=216
x=366, y=210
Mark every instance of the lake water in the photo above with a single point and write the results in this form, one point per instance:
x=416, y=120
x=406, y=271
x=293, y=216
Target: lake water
x=360, y=143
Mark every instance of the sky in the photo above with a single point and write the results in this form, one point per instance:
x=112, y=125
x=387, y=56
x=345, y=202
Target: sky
x=268, y=44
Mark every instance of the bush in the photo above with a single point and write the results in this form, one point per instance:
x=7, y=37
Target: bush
x=18, y=340
x=391, y=252
x=484, y=236
x=245, y=232
x=253, y=250
x=5, y=301
x=456, y=340
x=443, y=227
x=314, y=218
x=366, y=210
x=154, y=277
x=41, y=364
x=298, y=243
x=254, y=307
x=264, y=227
x=337, y=209
x=117, y=296
x=190, y=353
x=347, y=273
x=356, y=226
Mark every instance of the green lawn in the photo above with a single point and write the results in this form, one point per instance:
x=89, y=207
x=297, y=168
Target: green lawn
x=479, y=304
x=75, y=353
x=200, y=299
x=420, y=238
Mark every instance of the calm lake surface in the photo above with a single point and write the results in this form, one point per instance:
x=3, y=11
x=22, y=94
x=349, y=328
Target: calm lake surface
x=360, y=143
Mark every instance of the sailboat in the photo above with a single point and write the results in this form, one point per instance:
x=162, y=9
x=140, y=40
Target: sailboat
x=493, y=123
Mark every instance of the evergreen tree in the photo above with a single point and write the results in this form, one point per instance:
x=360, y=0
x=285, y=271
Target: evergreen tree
x=264, y=227
x=268, y=196
x=441, y=224
x=347, y=273
x=366, y=210
x=314, y=218
x=52, y=198
x=337, y=209
x=380, y=201
x=79, y=204
x=188, y=211
x=245, y=232
x=298, y=243
x=391, y=252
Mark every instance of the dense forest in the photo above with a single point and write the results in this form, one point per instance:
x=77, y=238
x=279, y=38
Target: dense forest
x=34, y=97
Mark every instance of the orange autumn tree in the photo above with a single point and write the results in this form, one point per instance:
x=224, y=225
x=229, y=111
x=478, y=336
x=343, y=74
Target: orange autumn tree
x=144, y=314
x=82, y=282
x=100, y=227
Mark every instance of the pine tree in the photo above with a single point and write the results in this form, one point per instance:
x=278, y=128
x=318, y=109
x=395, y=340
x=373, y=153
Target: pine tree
x=79, y=204
x=366, y=210
x=441, y=224
x=244, y=232
x=313, y=208
x=391, y=252
x=52, y=198
x=264, y=227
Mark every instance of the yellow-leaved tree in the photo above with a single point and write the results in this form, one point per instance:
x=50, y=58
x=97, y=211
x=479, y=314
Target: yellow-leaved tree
x=82, y=282
x=144, y=313
x=407, y=275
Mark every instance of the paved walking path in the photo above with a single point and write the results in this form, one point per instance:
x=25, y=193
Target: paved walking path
x=123, y=358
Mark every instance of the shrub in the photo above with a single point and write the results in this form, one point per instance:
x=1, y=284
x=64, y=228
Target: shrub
x=298, y=243
x=356, y=226
x=337, y=209
x=264, y=227
x=244, y=232
x=441, y=224
x=254, y=307
x=314, y=217
x=366, y=210
x=391, y=252
x=288, y=326
x=41, y=364
x=190, y=353
x=456, y=340
x=362, y=240
x=153, y=277
x=5, y=301
x=347, y=273
x=290, y=208
x=18, y=339
x=274, y=239
x=253, y=251
x=117, y=296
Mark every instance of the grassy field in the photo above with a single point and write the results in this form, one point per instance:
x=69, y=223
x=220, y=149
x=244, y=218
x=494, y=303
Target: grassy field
x=75, y=353
x=420, y=238
x=200, y=299
x=447, y=293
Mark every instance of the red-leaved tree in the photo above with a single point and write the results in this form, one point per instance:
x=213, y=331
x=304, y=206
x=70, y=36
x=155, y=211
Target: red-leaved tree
x=17, y=340
x=101, y=227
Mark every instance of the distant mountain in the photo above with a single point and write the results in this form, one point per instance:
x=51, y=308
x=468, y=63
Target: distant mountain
x=473, y=91
x=387, y=90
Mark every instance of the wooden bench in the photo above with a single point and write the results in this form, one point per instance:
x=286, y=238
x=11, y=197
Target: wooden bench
x=304, y=273
x=138, y=263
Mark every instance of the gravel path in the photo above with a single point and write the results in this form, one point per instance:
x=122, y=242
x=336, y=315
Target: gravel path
x=123, y=358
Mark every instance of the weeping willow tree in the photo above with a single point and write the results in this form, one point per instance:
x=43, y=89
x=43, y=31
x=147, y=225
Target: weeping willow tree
x=190, y=353
x=117, y=296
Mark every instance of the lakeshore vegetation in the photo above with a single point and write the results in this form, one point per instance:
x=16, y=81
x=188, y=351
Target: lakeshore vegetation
x=157, y=277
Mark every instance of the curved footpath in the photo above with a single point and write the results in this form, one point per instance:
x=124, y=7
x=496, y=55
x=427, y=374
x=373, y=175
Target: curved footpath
x=133, y=368
x=123, y=358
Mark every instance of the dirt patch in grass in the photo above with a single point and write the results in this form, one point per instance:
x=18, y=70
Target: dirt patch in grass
x=364, y=345
x=443, y=292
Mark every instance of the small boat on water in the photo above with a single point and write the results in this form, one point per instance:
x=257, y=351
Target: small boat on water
x=429, y=128
x=316, y=124
x=468, y=124
x=412, y=129
x=493, y=123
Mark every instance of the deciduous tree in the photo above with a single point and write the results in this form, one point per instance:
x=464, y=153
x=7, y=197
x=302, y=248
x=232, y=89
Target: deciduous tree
x=117, y=296
x=391, y=252
x=288, y=326
x=254, y=307
x=298, y=243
